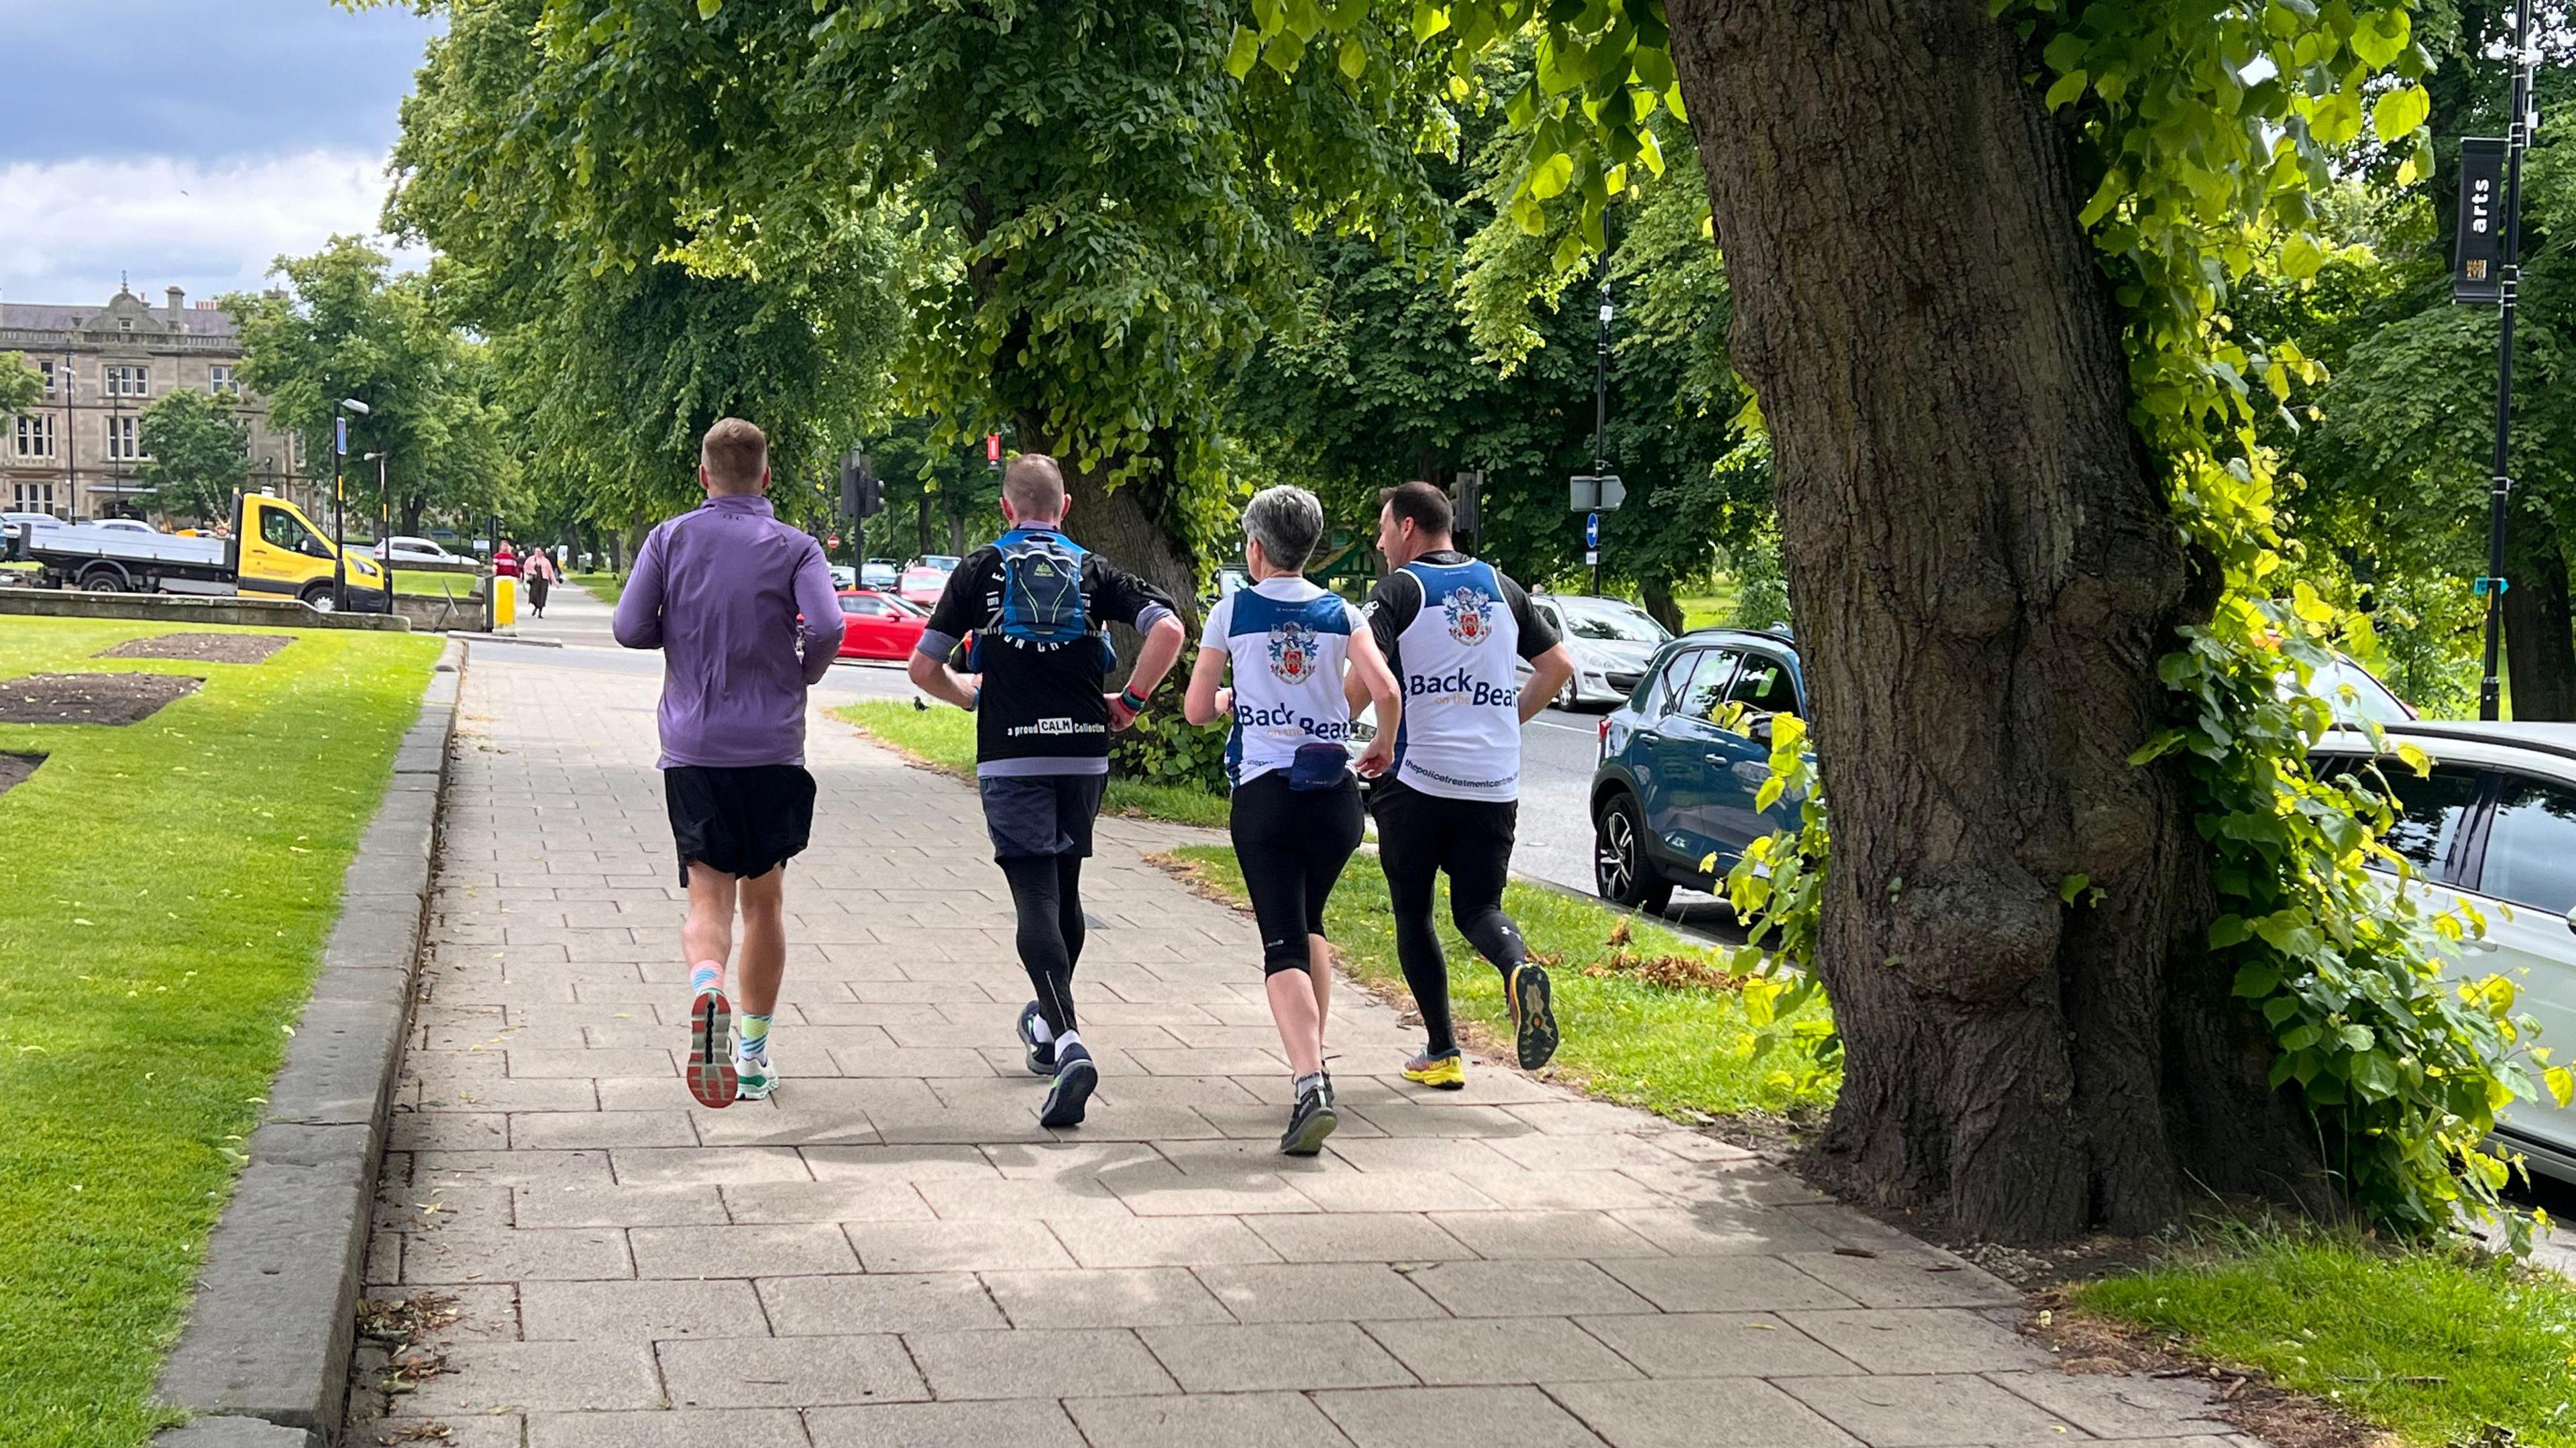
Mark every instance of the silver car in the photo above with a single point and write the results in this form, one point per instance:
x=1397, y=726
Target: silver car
x=1612, y=641
x=2494, y=826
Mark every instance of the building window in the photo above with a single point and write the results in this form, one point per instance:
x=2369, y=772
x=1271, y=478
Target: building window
x=35, y=437
x=32, y=498
x=219, y=380
x=55, y=374
x=124, y=439
x=125, y=324
x=129, y=381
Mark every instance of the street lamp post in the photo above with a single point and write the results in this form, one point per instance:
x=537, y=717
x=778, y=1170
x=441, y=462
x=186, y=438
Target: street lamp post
x=2471, y=284
x=1600, y=426
x=71, y=439
x=339, y=510
x=384, y=526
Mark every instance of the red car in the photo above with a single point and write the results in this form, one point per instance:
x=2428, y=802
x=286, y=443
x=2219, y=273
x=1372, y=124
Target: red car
x=878, y=625
x=925, y=577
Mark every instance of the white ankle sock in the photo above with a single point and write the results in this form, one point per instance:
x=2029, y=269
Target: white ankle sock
x=1067, y=1041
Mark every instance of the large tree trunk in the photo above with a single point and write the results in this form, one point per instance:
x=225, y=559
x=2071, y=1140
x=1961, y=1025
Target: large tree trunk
x=1660, y=603
x=1985, y=571
x=1131, y=524
x=2540, y=651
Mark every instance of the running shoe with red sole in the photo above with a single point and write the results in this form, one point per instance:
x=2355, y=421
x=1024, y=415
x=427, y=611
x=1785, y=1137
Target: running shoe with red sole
x=711, y=1075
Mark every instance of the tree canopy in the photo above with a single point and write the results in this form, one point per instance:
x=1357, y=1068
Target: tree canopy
x=200, y=455
x=21, y=385
x=344, y=326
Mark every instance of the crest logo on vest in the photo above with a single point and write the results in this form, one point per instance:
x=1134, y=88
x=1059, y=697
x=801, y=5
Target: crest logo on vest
x=1471, y=614
x=1292, y=652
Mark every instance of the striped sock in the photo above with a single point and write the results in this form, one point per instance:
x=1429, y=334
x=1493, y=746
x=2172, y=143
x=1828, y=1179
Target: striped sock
x=708, y=976
x=751, y=1037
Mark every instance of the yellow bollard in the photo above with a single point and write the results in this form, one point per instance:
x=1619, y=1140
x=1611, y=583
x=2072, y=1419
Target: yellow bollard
x=505, y=602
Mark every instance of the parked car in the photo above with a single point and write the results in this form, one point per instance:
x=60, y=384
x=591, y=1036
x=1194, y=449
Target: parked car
x=2494, y=826
x=127, y=525
x=401, y=549
x=1676, y=783
x=878, y=625
x=2354, y=692
x=881, y=574
x=1612, y=641
x=925, y=577
x=14, y=528
x=844, y=577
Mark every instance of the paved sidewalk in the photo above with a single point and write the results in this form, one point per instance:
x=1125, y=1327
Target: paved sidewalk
x=892, y=1252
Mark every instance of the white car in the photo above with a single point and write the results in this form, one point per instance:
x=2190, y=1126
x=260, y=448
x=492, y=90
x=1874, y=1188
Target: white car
x=2494, y=825
x=415, y=550
x=844, y=577
x=1612, y=641
x=125, y=525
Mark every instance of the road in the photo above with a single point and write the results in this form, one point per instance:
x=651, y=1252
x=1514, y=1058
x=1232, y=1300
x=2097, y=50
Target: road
x=1558, y=751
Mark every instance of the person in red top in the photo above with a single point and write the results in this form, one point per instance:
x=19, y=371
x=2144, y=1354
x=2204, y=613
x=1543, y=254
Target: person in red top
x=505, y=561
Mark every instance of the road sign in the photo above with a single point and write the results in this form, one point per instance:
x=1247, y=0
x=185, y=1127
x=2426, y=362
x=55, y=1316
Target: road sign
x=1604, y=492
x=1592, y=557
x=1591, y=530
x=341, y=433
x=832, y=541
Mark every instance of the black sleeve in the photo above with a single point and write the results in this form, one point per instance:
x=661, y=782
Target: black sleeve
x=1537, y=634
x=1391, y=609
x=1125, y=598
x=960, y=610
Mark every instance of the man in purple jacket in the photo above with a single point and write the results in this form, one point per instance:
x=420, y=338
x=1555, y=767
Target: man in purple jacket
x=719, y=591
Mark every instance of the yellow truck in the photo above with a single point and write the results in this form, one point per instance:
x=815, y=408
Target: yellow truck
x=274, y=550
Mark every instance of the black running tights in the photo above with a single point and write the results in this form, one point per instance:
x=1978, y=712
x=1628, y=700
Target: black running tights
x=1046, y=892
x=1292, y=845
x=1419, y=838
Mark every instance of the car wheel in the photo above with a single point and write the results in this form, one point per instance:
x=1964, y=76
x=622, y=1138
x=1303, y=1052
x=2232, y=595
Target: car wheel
x=317, y=597
x=1622, y=871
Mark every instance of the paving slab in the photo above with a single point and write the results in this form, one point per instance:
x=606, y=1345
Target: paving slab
x=892, y=1252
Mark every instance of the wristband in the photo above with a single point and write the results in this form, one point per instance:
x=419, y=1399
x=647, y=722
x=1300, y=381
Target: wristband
x=1134, y=701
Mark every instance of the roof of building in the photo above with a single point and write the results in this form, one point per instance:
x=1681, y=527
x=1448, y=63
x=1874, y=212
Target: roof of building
x=202, y=321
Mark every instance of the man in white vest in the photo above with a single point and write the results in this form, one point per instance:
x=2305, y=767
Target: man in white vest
x=1452, y=629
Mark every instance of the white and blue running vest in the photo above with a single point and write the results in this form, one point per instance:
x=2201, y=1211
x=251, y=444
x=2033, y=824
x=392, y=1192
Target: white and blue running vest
x=1461, y=733
x=1287, y=639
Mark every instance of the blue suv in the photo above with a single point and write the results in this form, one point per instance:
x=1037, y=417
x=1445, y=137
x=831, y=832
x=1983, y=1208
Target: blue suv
x=1674, y=785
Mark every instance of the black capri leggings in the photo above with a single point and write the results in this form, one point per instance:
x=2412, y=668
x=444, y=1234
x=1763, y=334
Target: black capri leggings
x=1292, y=845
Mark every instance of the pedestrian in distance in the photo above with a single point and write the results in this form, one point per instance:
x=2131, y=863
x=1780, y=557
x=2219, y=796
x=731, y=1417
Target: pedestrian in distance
x=720, y=592
x=1451, y=627
x=1029, y=615
x=505, y=560
x=539, y=573
x=1295, y=807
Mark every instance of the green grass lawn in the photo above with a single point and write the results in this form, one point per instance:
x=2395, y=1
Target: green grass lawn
x=1709, y=609
x=2437, y=1349
x=1667, y=1048
x=603, y=586
x=944, y=739
x=433, y=585
x=169, y=887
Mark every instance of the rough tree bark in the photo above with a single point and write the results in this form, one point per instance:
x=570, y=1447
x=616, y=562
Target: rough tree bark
x=1660, y=603
x=1985, y=571
x=2540, y=650
x=1129, y=524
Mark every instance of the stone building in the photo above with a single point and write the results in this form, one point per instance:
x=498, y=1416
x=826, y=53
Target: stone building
x=76, y=454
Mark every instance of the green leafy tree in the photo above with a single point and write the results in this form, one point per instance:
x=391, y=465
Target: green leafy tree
x=200, y=456
x=21, y=385
x=621, y=342
x=344, y=326
x=1099, y=214
x=2096, y=939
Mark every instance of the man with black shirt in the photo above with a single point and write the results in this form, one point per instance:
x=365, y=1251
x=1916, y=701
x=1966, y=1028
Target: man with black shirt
x=1032, y=611
x=1451, y=627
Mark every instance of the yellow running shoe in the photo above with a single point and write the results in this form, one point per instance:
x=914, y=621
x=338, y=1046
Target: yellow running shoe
x=1447, y=1071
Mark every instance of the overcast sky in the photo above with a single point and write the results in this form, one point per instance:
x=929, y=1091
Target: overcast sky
x=189, y=142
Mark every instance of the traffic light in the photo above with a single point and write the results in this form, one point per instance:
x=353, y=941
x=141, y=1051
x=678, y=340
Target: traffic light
x=862, y=496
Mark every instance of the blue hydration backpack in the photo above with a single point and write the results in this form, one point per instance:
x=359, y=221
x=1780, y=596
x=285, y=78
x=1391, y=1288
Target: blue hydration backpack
x=1042, y=597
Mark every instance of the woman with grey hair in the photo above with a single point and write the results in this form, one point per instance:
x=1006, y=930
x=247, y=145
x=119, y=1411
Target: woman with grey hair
x=1296, y=808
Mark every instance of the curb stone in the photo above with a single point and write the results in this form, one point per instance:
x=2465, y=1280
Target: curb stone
x=265, y=1355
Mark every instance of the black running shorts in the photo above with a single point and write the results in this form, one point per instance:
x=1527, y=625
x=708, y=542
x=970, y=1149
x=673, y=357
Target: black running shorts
x=745, y=821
